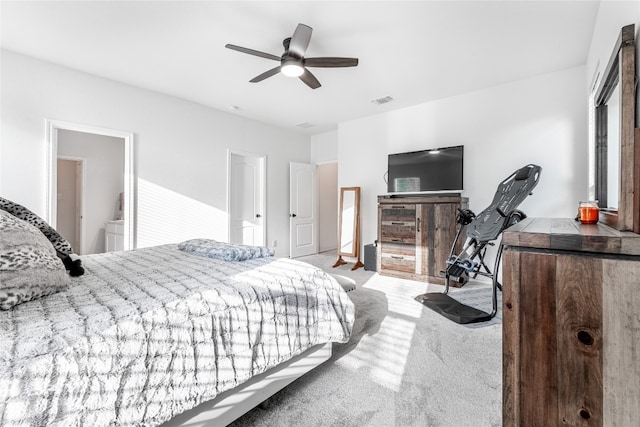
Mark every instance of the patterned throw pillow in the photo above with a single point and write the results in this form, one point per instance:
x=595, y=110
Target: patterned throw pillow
x=59, y=243
x=29, y=266
x=224, y=251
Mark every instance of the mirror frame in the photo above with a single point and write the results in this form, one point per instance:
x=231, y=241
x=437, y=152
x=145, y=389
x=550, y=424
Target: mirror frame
x=356, y=222
x=620, y=71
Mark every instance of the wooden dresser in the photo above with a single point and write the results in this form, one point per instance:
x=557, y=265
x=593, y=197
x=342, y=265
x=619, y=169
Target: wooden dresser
x=571, y=325
x=415, y=235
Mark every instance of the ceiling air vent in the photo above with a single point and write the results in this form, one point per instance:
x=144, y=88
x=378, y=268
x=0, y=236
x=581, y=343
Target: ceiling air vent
x=382, y=100
x=305, y=125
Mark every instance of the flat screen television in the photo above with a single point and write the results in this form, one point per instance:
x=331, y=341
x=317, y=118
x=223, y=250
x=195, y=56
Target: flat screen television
x=438, y=170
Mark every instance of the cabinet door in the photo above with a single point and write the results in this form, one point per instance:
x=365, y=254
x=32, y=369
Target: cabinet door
x=109, y=242
x=436, y=229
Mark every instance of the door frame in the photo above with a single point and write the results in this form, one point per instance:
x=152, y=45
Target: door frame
x=52, y=127
x=263, y=189
x=83, y=177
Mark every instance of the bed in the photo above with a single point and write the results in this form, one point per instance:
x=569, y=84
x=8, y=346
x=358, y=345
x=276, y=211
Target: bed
x=148, y=334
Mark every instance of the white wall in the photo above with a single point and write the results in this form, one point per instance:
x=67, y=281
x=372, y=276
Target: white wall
x=104, y=180
x=542, y=120
x=324, y=147
x=180, y=149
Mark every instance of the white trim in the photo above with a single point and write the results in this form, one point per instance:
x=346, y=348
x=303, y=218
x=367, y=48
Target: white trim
x=52, y=126
x=263, y=181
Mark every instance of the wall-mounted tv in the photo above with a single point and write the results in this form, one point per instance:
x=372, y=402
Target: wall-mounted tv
x=436, y=170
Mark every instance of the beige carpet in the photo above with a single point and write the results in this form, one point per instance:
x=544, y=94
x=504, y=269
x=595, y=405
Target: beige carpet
x=405, y=365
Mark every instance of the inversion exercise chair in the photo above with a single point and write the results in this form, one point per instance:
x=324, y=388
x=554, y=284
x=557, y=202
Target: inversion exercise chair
x=481, y=231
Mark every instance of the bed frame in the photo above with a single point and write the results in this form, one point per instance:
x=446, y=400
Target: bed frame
x=234, y=403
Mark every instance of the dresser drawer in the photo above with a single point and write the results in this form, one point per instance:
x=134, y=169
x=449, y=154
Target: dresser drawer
x=397, y=249
x=398, y=213
x=403, y=263
x=398, y=257
x=400, y=223
x=398, y=231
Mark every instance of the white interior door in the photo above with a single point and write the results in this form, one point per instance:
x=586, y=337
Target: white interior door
x=303, y=209
x=246, y=199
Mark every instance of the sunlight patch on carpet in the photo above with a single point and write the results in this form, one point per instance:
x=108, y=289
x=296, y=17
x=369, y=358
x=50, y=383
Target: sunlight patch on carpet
x=396, y=292
x=384, y=355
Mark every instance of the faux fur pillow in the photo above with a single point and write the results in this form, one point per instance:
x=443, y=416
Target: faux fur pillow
x=29, y=266
x=19, y=211
x=224, y=251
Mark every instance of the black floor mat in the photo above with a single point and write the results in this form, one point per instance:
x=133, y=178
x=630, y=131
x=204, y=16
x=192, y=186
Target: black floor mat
x=453, y=309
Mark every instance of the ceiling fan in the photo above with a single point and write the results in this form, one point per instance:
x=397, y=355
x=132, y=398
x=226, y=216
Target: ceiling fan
x=292, y=62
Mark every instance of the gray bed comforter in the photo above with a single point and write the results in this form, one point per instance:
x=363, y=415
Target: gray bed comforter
x=147, y=334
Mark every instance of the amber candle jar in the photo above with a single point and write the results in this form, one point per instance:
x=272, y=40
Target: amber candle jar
x=589, y=212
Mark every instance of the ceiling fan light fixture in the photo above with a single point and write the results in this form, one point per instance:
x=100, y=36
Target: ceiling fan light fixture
x=291, y=68
x=293, y=62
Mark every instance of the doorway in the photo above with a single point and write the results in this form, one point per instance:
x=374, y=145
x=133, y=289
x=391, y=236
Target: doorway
x=55, y=129
x=246, y=198
x=328, y=194
x=70, y=196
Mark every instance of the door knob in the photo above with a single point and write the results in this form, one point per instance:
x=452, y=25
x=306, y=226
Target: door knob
x=258, y=216
x=293, y=215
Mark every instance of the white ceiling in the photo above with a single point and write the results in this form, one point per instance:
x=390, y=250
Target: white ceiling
x=415, y=51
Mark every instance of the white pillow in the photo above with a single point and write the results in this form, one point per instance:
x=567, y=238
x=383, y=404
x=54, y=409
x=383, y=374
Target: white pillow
x=29, y=266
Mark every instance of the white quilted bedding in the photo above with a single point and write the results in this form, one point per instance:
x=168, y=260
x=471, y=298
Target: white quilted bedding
x=147, y=334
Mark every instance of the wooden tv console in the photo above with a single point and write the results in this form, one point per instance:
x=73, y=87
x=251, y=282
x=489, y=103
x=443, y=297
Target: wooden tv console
x=415, y=235
x=571, y=328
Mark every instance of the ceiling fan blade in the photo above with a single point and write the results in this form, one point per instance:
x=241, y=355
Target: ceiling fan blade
x=252, y=52
x=331, y=62
x=266, y=74
x=300, y=40
x=310, y=80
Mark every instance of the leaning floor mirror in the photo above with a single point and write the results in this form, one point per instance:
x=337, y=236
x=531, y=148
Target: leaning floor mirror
x=349, y=226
